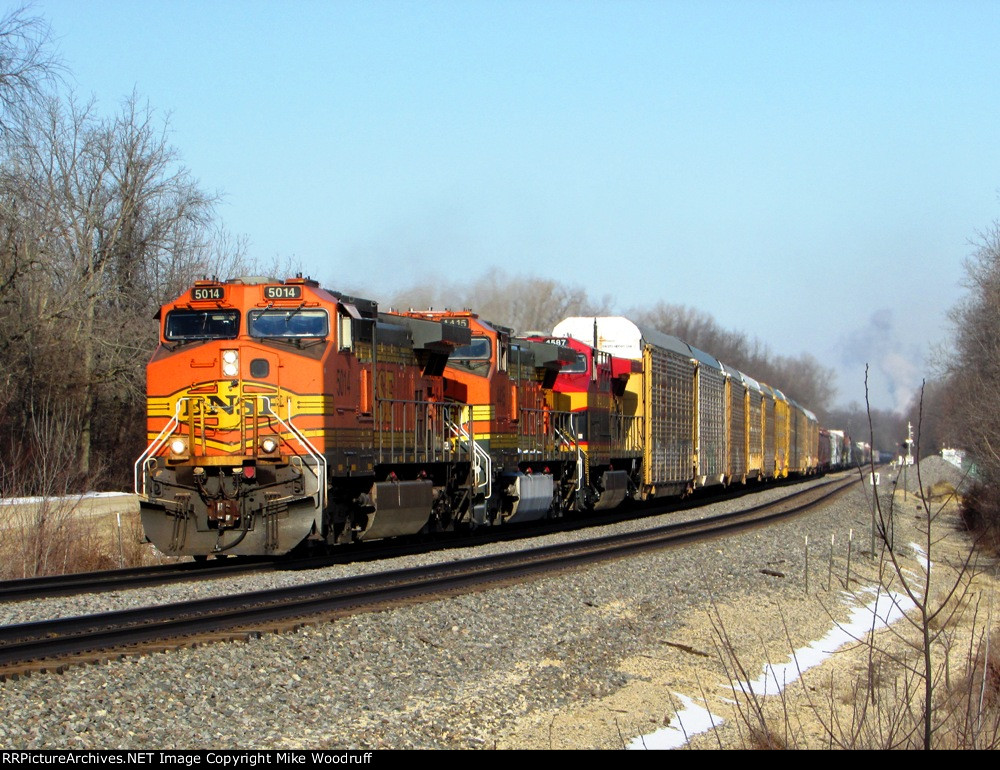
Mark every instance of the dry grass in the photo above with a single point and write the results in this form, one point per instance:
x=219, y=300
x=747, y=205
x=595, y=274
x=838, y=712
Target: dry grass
x=930, y=680
x=63, y=535
x=46, y=529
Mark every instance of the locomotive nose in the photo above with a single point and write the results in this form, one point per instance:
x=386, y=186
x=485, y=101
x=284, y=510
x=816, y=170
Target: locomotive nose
x=250, y=362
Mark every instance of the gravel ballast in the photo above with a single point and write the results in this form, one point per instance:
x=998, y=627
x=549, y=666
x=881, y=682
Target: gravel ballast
x=506, y=667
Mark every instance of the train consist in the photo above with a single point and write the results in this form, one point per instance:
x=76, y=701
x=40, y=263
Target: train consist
x=281, y=413
x=837, y=451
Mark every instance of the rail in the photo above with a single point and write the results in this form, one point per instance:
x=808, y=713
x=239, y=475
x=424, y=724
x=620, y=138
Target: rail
x=54, y=644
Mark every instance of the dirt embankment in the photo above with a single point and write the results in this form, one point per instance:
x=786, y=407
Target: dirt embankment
x=864, y=690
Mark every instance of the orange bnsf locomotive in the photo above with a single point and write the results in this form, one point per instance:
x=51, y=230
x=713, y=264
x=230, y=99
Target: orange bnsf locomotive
x=281, y=413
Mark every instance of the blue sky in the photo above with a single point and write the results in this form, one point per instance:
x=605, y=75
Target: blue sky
x=809, y=172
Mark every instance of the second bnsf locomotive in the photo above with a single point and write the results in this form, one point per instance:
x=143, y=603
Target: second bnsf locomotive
x=280, y=412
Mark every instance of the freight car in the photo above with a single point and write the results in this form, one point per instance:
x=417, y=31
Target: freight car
x=281, y=413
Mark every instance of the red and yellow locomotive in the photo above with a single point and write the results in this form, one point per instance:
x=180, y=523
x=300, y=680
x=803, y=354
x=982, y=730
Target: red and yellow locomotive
x=592, y=388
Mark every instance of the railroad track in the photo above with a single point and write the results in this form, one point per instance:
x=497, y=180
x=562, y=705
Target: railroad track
x=27, y=589
x=119, y=579
x=54, y=645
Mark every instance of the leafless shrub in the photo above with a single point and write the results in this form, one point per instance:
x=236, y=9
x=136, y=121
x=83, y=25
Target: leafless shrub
x=41, y=531
x=927, y=682
x=981, y=515
x=763, y=722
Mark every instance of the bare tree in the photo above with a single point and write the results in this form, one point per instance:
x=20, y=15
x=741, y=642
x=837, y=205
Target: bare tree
x=102, y=223
x=973, y=382
x=27, y=63
x=526, y=303
x=800, y=377
x=975, y=367
x=536, y=303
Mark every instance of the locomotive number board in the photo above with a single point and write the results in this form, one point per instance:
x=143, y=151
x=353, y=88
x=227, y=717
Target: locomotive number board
x=208, y=293
x=282, y=292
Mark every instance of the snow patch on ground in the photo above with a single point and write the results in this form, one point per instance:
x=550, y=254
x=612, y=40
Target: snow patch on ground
x=688, y=721
x=886, y=608
x=70, y=498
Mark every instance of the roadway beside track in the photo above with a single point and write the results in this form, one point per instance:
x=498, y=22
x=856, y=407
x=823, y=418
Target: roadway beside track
x=87, y=504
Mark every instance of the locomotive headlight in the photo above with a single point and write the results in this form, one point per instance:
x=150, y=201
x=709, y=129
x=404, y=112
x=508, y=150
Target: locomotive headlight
x=269, y=446
x=178, y=446
x=230, y=363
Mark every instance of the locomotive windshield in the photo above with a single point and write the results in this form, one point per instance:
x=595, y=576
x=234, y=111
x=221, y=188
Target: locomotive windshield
x=478, y=349
x=475, y=356
x=578, y=366
x=293, y=323
x=202, y=325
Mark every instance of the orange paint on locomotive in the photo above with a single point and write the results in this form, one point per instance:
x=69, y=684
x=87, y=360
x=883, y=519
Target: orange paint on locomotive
x=261, y=395
x=478, y=375
x=323, y=384
x=225, y=403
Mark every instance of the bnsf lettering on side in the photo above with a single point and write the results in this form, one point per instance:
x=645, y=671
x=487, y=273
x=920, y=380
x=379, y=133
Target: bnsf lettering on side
x=210, y=292
x=282, y=292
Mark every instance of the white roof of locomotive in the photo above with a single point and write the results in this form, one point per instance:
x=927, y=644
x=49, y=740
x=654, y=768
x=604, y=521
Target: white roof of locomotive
x=618, y=336
x=621, y=337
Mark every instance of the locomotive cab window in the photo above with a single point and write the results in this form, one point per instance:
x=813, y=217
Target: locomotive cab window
x=293, y=324
x=475, y=357
x=578, y=365
x=184, y=325
x=346, y=332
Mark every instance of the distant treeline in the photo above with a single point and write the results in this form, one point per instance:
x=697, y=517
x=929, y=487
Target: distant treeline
x=539, y=303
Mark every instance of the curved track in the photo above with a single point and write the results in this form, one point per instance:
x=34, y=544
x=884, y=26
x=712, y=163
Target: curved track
x=52, y=645
x=49, y=586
